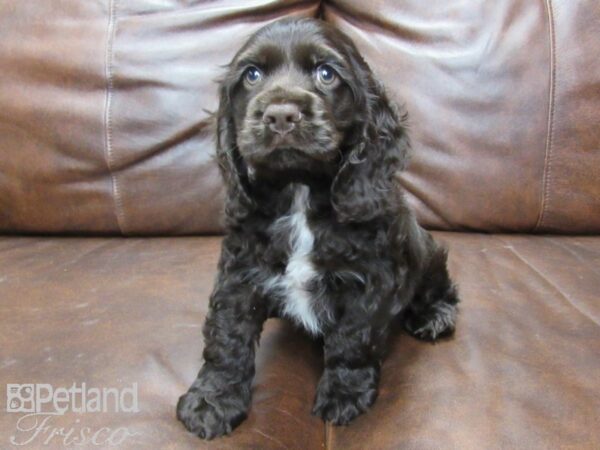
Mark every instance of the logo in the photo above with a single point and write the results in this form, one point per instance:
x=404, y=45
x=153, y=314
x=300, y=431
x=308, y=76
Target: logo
x=20, y=398
x=40, y=403
x=38, y=398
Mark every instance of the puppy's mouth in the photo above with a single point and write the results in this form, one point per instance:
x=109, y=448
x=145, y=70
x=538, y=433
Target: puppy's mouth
x=288, y=164
x=279, y=141
x=260, y=143
x=301, y=148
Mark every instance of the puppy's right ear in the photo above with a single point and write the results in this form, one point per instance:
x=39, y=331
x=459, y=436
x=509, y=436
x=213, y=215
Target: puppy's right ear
x=233, y=168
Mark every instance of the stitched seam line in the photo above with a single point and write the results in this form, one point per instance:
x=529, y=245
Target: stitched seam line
x=550, y=135
x=108, y=147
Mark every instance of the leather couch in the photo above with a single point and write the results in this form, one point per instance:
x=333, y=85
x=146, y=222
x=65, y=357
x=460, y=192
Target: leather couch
x=110, y=210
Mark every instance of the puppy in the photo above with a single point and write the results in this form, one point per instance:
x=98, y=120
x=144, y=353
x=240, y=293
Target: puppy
x=318, y=231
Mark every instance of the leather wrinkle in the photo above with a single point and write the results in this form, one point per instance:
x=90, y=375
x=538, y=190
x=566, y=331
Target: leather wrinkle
x=166, y=145
x=270, y=438
x=411, y=189
x=575, y=255
x=547, y=280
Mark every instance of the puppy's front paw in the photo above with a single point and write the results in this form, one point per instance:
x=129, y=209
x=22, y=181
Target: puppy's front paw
x=340, y=404
x=208, y=415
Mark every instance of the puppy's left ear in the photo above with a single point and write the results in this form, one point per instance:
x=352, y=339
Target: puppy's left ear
x=364, y=187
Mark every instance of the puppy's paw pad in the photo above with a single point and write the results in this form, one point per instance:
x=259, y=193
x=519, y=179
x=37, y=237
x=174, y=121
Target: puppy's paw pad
x=341, y=409
x=208, y=416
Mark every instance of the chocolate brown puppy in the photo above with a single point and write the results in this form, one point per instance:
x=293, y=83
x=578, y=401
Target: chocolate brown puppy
x=318, y=231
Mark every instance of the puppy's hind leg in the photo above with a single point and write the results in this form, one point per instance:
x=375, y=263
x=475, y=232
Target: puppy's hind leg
x=433, y=310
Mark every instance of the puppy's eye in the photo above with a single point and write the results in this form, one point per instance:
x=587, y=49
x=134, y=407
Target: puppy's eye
x=253, y=75
x=326, y=74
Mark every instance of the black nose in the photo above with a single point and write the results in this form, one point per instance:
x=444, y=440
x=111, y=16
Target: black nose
x=282, y=117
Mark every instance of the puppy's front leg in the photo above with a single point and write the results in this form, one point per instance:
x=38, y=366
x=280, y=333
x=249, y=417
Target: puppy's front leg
x=348, y=386
x=219, y=398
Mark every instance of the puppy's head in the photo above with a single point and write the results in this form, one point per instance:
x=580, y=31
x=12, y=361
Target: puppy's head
x=298, y=101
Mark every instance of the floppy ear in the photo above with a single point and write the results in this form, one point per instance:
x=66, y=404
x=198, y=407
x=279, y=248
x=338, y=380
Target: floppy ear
x=364, y=187
x=233, y=168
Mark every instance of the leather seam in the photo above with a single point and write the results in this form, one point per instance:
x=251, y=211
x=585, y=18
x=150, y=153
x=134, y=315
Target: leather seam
x=108, y=136
x=547, y=176
x=320, y=14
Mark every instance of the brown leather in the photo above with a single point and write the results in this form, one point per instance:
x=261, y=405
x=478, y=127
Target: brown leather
x=572, y=182
x=103, y=127
x=103, y=121
x=112, y=312
x=521, y=372
x=503, y=99
x=53, y=174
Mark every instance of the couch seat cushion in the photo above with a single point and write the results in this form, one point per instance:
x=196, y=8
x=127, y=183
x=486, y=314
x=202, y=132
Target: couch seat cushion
x=521, y=372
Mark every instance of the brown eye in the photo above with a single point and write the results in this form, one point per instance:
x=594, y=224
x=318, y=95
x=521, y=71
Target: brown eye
x=253, y=75
x=326, y=74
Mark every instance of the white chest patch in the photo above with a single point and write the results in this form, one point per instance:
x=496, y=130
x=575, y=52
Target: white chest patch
x=293, y=284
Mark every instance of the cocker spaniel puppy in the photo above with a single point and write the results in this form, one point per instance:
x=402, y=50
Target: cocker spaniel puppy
x=318, y=231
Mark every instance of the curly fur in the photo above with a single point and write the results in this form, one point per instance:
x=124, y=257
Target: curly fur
x=317, y=229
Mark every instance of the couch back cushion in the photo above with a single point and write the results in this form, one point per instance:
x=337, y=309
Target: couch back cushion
x=104, y=123
x=504, y=100
x=104, y=109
